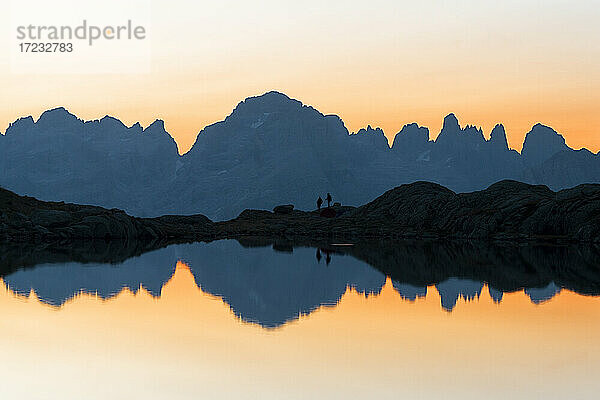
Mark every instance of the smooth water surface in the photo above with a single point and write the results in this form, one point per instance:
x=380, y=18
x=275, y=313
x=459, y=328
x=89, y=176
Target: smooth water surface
x=221, y=320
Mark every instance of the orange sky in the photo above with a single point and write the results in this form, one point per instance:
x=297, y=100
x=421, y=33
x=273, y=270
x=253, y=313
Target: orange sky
x=384, y=63
x=187, y=343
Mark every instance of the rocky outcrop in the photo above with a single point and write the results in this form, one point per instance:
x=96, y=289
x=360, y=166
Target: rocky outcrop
x=25, y=219
x=507, y=210
x=284, y=209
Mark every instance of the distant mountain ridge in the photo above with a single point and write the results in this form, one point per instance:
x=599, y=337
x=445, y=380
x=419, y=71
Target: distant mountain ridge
x=270, y=150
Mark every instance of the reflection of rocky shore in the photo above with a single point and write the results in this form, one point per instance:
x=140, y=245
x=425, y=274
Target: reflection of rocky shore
x=14, y=256
x=460, y=269
x=505, y=267
x=271, y=283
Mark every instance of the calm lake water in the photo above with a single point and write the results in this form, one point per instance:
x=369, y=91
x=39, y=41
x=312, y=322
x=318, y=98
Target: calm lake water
x=225, y=320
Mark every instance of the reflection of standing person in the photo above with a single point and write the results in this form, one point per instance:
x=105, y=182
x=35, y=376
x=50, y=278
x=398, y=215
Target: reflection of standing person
x=319, y=202
x=328, y=258
x=319, y=255
x=329, y=199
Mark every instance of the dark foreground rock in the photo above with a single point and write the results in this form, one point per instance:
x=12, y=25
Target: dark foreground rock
x=284, y=209
x=25, y=219
x=507, y=210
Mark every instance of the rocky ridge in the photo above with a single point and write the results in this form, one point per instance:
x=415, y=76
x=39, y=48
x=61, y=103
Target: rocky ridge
x=507, y=210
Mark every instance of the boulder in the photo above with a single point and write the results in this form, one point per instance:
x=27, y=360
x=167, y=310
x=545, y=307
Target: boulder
x=284, y=209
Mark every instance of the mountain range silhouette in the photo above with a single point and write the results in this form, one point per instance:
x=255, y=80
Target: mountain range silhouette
x=270, y=150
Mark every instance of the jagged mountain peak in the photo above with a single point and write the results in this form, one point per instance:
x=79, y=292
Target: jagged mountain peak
x=23, y=123
x=270, y=98
x=137, y=128
x=269, y=102
x=273, y=94
x=271, y=119
x=156, y=131
x=498, y=130
x=450, y=123
x=157, y=125
x=411, y=138
x=370, y=130
x=411, y=126
x=498, y=137
x=453, y=138
x=109, y=122
x=474, y=129
x=414, y=128
x=55, y=120
x=540, y=126
x=371, y=139
x=545, y=133
x=541, y=143
x=58, y=114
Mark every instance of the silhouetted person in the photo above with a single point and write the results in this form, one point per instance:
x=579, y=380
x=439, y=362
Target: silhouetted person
x=319, y=202
x=328, y=259
x=329, y=199
x=318, y=255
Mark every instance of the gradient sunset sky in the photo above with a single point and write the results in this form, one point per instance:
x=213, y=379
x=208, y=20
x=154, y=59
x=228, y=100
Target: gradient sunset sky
x=381, y=62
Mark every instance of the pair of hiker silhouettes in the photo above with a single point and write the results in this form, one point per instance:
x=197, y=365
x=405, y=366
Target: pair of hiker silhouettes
x=320, y=201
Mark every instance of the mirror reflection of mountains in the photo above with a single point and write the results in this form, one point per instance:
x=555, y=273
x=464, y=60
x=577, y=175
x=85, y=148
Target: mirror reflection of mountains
x=271, y=287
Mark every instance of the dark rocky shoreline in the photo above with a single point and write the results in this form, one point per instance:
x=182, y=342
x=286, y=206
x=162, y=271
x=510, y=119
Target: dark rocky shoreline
x=506, y=211
x=25, y=219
